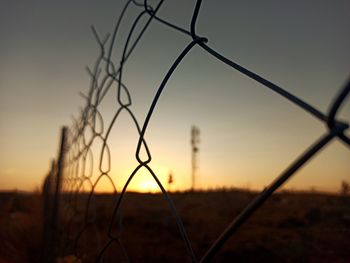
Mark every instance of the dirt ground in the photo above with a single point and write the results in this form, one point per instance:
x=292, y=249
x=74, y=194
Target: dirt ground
x=290, y=227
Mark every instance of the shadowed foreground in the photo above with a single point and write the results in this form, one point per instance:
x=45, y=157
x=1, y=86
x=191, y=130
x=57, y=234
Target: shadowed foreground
x=290, y=227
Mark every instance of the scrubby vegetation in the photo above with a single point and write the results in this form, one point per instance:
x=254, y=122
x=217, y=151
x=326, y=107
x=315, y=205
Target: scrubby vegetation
x=290, y=227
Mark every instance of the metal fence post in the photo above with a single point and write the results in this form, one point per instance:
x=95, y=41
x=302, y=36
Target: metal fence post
x=52, y=192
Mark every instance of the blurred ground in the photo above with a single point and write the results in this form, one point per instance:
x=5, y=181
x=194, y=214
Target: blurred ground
x=290, y=227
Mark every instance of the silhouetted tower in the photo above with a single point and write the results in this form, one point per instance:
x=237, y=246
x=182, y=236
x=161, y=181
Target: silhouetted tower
x=195, y=150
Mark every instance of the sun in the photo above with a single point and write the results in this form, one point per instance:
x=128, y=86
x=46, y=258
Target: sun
x=144, y=182
x=148, y=186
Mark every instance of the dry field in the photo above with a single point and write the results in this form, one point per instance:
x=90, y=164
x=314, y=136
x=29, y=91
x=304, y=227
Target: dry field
x=290, y=227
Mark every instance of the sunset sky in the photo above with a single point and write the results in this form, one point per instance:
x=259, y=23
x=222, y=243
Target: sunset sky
x=249, y=134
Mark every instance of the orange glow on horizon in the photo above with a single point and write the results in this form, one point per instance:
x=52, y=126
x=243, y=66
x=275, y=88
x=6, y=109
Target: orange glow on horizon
x=142, y=181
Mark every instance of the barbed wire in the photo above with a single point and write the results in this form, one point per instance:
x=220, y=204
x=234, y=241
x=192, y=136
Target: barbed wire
x=77, y=217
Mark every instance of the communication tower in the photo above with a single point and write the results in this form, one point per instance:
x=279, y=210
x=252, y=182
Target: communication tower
x=195, y=150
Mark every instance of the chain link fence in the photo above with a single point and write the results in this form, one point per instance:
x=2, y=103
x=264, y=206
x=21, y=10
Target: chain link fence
x=72, y=225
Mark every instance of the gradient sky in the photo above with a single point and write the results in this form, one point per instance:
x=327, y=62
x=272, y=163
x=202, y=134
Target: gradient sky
x=249, y=135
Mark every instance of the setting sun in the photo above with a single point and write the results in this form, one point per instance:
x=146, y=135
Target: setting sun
x=144, y=182
x=148, y=186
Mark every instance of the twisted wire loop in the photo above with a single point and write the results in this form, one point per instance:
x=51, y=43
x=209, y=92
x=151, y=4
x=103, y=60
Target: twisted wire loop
x=78, y=213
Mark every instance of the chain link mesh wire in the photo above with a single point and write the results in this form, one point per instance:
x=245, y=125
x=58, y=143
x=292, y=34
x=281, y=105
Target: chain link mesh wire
x=78, y=227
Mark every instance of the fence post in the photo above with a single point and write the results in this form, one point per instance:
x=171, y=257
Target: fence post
x=52, y=192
